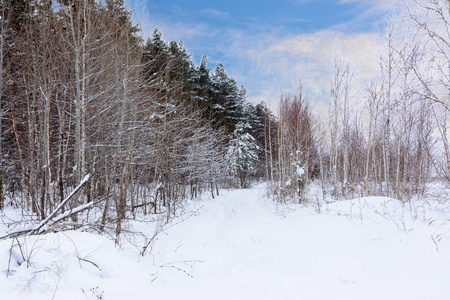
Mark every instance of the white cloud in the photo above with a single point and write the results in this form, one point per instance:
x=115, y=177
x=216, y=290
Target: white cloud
x=376, y=12
x=277, y=62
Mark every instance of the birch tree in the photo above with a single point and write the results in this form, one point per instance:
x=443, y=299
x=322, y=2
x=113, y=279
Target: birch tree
x=340, y=123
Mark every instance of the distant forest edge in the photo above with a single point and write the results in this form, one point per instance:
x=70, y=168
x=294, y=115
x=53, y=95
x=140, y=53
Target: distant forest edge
x=83, y=94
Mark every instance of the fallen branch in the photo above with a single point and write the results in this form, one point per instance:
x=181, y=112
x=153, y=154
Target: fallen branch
x=15, y=234
x=72, y=212
x=144, y=204
x=60, y=206
x=39, y=228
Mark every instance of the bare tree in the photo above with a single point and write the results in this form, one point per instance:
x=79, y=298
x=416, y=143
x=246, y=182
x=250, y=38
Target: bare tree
x=432, y=70
x=340, y=123
x=297, y=150
x=4, y=31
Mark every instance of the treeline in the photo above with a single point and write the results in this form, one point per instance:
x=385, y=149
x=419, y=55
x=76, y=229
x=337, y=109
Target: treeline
x=82, y=93
x=391, y=138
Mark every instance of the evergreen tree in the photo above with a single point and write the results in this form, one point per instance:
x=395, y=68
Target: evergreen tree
x=227, y=99
x=155, y=55
x=201, y=85
x=242, y=157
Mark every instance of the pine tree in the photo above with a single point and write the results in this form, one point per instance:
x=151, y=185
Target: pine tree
x=227, y=99
x=155, y=55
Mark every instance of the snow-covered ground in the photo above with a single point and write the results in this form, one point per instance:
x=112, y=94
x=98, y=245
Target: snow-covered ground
x=241, y=245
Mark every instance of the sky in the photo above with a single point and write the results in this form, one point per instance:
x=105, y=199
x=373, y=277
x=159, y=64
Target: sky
x=269, y=46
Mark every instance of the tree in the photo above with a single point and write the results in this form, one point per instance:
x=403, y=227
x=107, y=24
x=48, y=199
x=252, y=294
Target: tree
x=241, y=156
x=5, y=32
x=227, y=100
x=202, y=86
x=296, y=146
x=340, y=123
x=431, y=19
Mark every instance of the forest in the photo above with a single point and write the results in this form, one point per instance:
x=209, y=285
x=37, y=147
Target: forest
x=138, y=127
x=83, y=94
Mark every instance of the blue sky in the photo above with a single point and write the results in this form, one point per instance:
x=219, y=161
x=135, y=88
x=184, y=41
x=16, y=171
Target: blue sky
x=269, y=46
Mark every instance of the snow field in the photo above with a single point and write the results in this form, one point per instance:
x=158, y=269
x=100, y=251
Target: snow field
x=243, y=246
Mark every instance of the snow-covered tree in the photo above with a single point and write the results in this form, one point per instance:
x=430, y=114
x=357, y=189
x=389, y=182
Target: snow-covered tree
x=242, y=156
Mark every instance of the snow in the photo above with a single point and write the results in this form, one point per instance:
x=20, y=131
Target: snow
x=300, y=171
x=241, y=245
